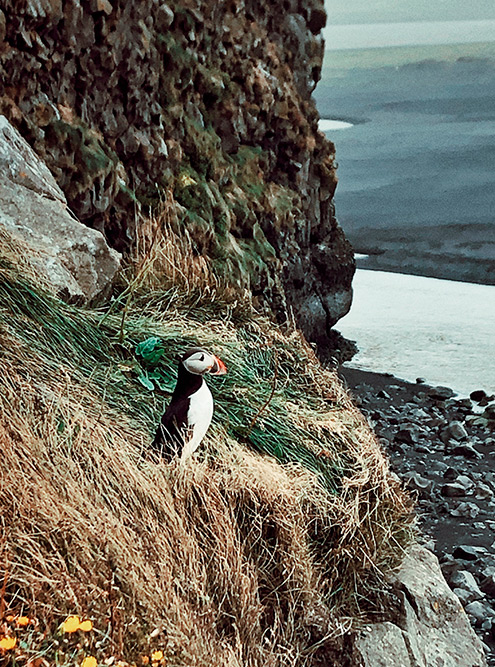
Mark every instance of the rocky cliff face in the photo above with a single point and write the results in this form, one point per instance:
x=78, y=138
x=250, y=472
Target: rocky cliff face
x=204, y=102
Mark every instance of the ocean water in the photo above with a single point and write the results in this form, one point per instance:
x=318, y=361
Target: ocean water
x=414, y=326
x=416, y=164
x=415, y=146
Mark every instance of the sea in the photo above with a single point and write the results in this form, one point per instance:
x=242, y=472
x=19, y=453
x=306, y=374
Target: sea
x=414, y=130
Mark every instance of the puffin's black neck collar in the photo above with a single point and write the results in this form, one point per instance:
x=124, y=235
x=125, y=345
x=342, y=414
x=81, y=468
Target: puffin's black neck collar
x=187, y=383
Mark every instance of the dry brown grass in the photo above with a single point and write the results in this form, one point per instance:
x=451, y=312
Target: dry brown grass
x=165, y=257
x=232, y=560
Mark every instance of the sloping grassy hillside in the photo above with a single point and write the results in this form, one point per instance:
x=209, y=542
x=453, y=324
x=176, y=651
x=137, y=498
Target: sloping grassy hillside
x=257, y=551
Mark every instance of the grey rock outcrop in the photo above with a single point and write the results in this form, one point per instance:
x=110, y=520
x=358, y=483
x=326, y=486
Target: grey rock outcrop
x=430, y=628
x=381, y=645
x=71, y=260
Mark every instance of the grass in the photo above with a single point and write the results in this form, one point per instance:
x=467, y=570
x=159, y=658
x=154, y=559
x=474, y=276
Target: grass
x=261, y=550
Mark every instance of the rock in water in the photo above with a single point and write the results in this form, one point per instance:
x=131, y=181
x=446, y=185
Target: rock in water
x=71, y=260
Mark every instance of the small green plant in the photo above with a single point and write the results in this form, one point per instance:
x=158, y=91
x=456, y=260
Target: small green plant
x=151, y=374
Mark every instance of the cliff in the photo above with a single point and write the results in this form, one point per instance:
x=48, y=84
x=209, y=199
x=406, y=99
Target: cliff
x=201, y=103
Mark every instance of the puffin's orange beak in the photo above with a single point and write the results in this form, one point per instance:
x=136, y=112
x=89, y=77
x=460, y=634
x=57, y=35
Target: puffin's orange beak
x=218, y=368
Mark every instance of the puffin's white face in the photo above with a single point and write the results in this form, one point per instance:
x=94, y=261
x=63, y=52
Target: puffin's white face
x=198, y=362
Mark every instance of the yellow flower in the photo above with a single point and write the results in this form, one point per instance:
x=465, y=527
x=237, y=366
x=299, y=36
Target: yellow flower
x=71, y=624
x=186, y=180
x=145, y=660
x=157, y=656
x=7, y=643
x=89, y=662
x=86, y=626
x=22, y=621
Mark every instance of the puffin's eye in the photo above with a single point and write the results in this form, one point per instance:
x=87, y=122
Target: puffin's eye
x=202, y=358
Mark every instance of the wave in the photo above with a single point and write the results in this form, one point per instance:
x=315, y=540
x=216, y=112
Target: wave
x=326, y=124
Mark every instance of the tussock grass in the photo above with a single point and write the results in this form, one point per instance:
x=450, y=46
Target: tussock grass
x=258, y=551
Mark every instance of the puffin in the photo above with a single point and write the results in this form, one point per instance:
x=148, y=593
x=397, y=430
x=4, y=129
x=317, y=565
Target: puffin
x=188, y=416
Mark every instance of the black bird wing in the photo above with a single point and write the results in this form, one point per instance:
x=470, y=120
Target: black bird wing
x=171, y=434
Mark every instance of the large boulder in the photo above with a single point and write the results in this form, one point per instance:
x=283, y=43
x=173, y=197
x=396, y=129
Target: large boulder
x=71, y=260
x=429, y=628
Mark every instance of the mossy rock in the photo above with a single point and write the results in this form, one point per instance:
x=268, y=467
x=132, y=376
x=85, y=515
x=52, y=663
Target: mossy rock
x=89, y=150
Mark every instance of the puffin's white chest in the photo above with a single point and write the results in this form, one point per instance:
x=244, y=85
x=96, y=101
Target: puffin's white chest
x=198, y=418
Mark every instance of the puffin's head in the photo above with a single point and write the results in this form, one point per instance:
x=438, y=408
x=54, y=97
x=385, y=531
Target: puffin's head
x=199, y=361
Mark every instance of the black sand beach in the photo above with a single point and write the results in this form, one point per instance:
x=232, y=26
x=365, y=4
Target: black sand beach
x=443, y=448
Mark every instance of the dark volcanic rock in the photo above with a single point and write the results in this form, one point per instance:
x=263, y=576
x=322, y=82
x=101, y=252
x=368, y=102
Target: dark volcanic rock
x=201, y=104
x=466, y=450
x=465, y=510
x=441, y=393
x=465, y=552
x=489, y=412
x=448, y=520
x=479, y=611
x=453, y=490
x=407, y=435
x=465, y=581
x=454, y=431
x=488, y=585
x=477, y=395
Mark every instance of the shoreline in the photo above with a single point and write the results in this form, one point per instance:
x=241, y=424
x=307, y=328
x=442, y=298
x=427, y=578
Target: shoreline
x=443, y=449
x=455, y=269
x=353, y=377
x=414, y=326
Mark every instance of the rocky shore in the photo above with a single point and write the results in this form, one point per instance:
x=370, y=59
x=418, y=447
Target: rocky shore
x=443, y=448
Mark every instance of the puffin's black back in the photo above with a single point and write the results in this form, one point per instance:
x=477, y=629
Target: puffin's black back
x=169, y=437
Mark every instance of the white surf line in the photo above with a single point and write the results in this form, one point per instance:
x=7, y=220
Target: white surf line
x=326, y=124
x=414, y=326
